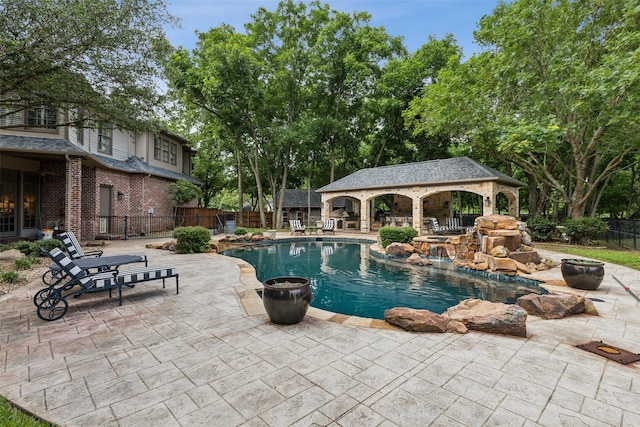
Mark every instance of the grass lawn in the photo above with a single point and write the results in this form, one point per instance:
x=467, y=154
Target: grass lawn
x=10, y=416
x=624, y=257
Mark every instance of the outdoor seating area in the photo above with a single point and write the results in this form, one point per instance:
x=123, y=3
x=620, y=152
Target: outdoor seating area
x=51, y=302
x=297, y=227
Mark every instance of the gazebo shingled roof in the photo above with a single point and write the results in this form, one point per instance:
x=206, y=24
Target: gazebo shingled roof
x=459, y=169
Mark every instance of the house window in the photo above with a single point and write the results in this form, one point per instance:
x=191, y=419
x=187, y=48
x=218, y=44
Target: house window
x=173, y=154
x=157, y=142
x=105, y=138
x=285, y=217
x=80, y=135
x=11, y=115
x=165, y=151
x=42, y=117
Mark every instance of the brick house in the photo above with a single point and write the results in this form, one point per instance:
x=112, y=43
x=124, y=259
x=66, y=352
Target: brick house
x=68, y=177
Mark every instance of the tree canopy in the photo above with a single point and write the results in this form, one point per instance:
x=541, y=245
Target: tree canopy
x=101, y=59
x=556, y=93
x=301, y=95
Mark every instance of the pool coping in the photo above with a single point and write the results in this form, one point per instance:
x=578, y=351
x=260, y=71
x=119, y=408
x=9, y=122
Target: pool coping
x=252, y=302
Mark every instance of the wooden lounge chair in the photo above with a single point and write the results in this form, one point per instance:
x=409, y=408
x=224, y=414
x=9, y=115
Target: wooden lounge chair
x=329, y=226
x=52, y=302
x=297, y=227
x=73, y=247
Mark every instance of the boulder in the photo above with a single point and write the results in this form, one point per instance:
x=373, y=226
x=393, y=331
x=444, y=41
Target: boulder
x=553, y=305
x=524, y=268
x=396, y=249
x=499, y=252
x=415, y=320
x=416, y=259
x=501, y=264
x=525, y=257
x=11, y=255
x=409, y=248
x=493, y=242
x=491, y=317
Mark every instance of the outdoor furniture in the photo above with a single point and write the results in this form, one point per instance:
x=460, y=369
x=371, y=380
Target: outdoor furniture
x=436, y=227
x=55, y=274
x=297, y=227
x=453, y=225
x=74, y=248
x=329, y=226
x=52, y=301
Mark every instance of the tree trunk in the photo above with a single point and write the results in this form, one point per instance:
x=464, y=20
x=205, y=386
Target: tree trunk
x=240, y=190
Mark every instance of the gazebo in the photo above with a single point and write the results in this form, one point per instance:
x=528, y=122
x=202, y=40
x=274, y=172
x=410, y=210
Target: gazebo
x=427, y=188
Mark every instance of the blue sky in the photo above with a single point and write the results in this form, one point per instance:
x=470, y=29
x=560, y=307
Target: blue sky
x=415, y=20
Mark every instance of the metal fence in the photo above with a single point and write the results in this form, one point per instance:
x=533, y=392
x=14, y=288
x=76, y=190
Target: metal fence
x=624, y=233
x=151, y=226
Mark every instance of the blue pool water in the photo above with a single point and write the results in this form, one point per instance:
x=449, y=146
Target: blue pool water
x=347, y=279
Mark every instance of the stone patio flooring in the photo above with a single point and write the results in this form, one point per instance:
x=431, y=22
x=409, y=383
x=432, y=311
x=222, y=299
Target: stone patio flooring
x=204, y=358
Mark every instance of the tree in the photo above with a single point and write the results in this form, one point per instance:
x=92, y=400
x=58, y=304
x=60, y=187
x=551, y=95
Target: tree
x=182, y=192
x=555, y=93
x=99, y=59
x=272, y=92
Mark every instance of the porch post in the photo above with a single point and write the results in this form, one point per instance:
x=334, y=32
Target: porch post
x=73, y=199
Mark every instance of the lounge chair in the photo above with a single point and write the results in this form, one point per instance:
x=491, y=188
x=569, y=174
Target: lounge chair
x=52, y=301
x=297, y=227
x=73, y=247
x=453, y=225
x=329, y=226
x=436, y=227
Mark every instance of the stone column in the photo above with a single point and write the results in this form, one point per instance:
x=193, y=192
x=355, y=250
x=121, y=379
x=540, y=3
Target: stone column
x=416, y=214
x=73, y=199
x=365, y=211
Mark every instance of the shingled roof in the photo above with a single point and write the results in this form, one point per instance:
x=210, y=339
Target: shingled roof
x=13, y=143
x=432, y=172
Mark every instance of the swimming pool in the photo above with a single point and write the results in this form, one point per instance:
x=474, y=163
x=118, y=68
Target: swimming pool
x=347, y=278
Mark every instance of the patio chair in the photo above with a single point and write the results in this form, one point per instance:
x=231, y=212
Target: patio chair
x=52, y=301
x=436, y=227
x=297, y=227
x=74, y=249
x=453, y=225
x=329, y=226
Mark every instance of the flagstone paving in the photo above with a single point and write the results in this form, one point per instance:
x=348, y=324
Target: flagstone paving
x=209, y=356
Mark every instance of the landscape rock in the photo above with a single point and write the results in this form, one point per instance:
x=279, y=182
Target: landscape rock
x=415, y=320
x=553, y=305
x=499, y=252
x=416, y=259
x=396, y=249
x=525, y=257
x=491, y=317
x=11, y=255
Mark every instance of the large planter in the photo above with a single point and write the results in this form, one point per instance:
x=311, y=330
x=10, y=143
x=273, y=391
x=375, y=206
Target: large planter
x=286, y=299
x=582, y=273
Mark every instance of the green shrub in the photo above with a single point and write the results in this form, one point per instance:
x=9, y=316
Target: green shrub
x=586, y=229
x=9, y=276
x=240, y=231
x=22, y=264
x=32, y=249
x=390, y=235
x=540, y=228
x=192, y=240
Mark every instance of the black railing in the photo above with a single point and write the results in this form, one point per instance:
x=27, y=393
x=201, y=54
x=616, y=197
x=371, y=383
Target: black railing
x=624, y=233
x=151, y=226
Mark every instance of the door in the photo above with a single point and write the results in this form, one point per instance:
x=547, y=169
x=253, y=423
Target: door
x=8, y=203
x=106, y=194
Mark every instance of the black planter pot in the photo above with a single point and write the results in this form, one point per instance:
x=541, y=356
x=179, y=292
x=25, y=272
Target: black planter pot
x=582, y=273
x=286, y=299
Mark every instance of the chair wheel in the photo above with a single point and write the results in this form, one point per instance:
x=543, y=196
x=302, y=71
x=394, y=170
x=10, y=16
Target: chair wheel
x=51, y=277
x=42, y=295
x=52, y=308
